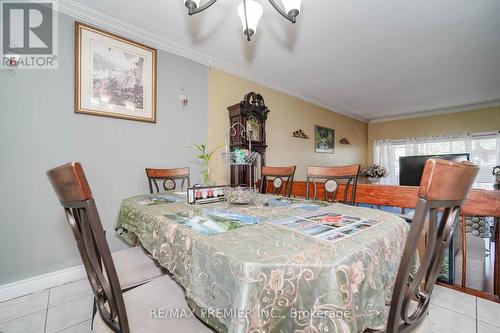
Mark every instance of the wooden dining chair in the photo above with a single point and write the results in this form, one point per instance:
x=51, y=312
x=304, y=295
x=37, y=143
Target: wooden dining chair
x=134, y=265
x=73, y=191
x=280, y=176
x=443, y=189
x=331, y=177
x=167, y=178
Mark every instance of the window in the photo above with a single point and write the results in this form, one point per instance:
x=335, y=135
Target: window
x=484, y=149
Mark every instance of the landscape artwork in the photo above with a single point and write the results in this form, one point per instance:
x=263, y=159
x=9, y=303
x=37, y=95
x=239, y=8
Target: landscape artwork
x=324, y=139
x=115, y=77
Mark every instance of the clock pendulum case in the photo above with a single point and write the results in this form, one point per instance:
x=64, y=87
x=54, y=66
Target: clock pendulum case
x=252, y=114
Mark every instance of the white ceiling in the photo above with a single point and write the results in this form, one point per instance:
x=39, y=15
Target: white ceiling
x=372, y=59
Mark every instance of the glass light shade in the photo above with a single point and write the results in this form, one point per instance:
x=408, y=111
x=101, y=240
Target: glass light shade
x=291, y=5
x=254, y=13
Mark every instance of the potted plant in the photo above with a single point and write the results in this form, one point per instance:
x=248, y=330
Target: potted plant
x=205, y=156
x=375, y=173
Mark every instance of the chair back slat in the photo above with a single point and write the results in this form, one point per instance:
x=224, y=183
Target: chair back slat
x=443, y=189
x=73, y=191
x=167, y=177
x=437, y=174
x=331, y=176
x=70, y=182
x=333, y=171
x=280, y=176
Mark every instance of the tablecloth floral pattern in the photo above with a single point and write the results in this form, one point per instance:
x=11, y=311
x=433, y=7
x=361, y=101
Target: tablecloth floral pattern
x=263, y=277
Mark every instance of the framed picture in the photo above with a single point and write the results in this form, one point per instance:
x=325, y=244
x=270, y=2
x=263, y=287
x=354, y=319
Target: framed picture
x=114, y=76
x=324, y=139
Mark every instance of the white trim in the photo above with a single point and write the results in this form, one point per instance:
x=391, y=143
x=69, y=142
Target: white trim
x=238, y=71
x=109, y=23
x=41, y=282
x=435, y=112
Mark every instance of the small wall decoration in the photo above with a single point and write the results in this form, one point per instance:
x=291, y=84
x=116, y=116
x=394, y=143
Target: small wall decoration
x=300, y=134
x=324, y=139
x=114, y=76
x=183, y=99
x=344, y=141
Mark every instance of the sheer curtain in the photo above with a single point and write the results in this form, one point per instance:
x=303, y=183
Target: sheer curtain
x=443, y=144
x=387, y=152
x=484, y=149
x=383, y=154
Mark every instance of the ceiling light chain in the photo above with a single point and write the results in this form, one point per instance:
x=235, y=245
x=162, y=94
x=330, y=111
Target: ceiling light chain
x=250, y=12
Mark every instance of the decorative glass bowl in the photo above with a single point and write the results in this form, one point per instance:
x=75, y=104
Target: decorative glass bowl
x=241, y=195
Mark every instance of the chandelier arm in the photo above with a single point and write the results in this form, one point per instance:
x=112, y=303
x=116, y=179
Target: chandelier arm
x=247, y=31
x=291, y=18
x=192, y=11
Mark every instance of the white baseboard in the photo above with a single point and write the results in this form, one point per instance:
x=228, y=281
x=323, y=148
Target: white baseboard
x=41, y=282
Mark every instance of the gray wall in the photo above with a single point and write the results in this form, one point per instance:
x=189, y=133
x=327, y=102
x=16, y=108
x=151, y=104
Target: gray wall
x=39, y=130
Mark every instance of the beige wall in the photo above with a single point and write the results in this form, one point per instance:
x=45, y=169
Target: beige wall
x=286, y=115
x=475, y=121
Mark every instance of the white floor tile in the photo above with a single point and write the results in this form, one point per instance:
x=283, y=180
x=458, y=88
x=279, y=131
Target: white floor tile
x=69, y=292
x=33, y=323
x=488, y=312
x=424, y=327
x=69, y=314
x=22, y=306
x=446, y=321
x=486, y=328
x=454, y=300
x=80, y=328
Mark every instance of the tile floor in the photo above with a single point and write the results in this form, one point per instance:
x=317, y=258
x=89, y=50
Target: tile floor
x=67, y=309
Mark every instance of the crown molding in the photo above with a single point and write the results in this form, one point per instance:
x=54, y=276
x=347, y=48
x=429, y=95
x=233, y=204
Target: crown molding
x=104, y=21
x=435, y=112
x=107, y=22
x=235, y=70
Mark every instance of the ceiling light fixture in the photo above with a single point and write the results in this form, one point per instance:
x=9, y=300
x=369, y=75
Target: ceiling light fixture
x=250, y=12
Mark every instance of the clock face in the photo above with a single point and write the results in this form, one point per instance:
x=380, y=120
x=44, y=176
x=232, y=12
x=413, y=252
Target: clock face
x=253, y=128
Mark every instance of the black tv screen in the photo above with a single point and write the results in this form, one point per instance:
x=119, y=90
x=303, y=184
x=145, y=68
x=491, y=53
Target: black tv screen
x=412, y=167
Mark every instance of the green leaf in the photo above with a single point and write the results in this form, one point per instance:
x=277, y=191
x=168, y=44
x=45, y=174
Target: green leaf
x=202, y=149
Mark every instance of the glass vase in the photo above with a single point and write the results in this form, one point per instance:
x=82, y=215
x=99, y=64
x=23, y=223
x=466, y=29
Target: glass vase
x=206, y=174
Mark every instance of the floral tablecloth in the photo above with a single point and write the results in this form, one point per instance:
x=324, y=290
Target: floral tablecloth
x=283, y=265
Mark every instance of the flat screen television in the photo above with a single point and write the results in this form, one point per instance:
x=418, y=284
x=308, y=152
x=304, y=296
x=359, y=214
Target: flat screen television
x=412, y=167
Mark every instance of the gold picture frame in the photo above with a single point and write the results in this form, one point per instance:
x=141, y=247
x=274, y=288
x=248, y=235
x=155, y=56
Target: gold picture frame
x=114, y=76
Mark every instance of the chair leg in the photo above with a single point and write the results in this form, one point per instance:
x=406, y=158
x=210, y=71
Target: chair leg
x=94, y=304
x=94, y=311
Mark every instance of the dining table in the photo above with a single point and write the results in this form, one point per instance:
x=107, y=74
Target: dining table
x=279, y=265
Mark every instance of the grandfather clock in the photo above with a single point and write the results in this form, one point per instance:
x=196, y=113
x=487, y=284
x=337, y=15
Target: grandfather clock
x=252, y=114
